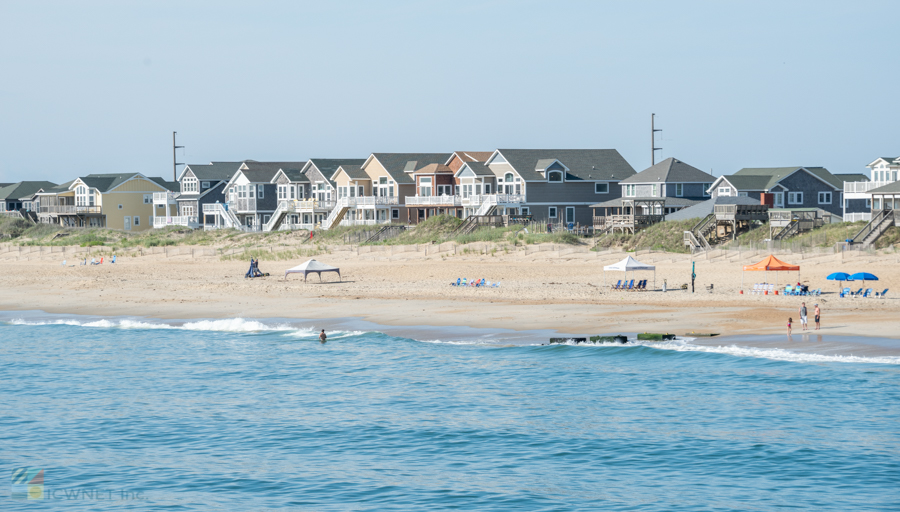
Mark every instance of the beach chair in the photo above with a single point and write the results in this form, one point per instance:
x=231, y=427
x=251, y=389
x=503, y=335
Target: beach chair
x=844, y=292
x=858, y=293
x=630, y=285
x=458, y=280
x=788, y=290
x=882, y=294
x=617, y=285
x=868, y=293
x=464, y=282
x=757, y=288
x=495, y=285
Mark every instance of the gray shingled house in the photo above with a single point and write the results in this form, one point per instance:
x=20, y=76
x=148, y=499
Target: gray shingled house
x=199, y=184
x=553, y=185
x=252, y=195
x=791, y=187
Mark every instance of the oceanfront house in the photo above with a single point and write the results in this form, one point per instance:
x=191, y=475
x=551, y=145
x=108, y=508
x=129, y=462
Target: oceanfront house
x=785, y=187
x=439, y=189
x=553, y=186
x=389, y=180
x=650, y=195
x=198, y=184
x=883, y=171
x=16, y=198
x=116, y=201
x=251, y=195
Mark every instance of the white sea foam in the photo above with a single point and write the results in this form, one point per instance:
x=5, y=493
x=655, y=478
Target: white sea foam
x=221, y=325
x=684, y=345
x=778, y=354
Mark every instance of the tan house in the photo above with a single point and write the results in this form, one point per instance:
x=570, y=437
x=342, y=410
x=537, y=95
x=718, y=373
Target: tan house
x=385, y=179
x=116, y=201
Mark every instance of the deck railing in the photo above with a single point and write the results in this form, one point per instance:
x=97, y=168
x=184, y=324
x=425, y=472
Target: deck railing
x=858, y=187
x=180, y=220
x=856, y=217
x=165, y=197
x=443, y=200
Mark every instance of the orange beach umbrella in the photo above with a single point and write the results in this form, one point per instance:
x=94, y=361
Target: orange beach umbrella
x=770, y=263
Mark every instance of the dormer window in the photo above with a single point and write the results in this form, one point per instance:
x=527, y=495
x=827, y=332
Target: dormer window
x=555, y=176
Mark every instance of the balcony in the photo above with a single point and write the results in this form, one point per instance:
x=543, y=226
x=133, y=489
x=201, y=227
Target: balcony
x=861, y=187
x=165, y=197
x=308, y=205
x=243, y=204
x=443, y=200
x=477, y=200
x=182, y=220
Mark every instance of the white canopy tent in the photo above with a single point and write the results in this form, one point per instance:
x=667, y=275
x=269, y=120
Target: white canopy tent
x=310, y=267
x=629, y=264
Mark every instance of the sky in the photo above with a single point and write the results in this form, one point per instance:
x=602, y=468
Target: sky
x=99, y=86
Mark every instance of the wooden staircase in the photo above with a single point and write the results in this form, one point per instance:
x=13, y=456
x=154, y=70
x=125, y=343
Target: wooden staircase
x=875, y=228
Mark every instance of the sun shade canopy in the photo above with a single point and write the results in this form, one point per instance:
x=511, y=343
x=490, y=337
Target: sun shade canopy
x=627, y=265
x=772, y=263
x=312, y=267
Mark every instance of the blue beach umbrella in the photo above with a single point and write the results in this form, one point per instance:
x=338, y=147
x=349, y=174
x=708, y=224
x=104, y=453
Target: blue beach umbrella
x=863, y=276
x=838, y=276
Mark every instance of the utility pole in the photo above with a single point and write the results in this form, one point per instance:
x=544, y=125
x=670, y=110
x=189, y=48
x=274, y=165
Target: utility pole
x=175, y=162
x=653, y=148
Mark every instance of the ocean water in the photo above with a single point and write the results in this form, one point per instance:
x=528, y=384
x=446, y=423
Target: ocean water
x=258, y=415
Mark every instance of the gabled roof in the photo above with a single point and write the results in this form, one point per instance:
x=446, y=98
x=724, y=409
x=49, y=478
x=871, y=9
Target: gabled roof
x=294, y=175
x=471, y=156
x=106, y=182
x=23, y=189
x=887, y=159
x=327, y=166
x=401, y=165
x=173, y=186
x=62, y=187
x=434, y=169
x=214, y=171
x=263, y=172
x=353, y=171
x=848, y=178
x=670, y=170
x=476, y=167
x=746, y=183
x=583, y=164
x=890, y=188
x=775, y=174
x=704, y=208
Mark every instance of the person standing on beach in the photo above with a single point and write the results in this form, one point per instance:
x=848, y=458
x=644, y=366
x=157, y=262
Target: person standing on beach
x=789, y=325
x=322, y=336
x=803, y=315
x=817, y=312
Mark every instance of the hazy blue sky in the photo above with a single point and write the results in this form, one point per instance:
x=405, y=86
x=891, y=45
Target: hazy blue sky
x=94, y=86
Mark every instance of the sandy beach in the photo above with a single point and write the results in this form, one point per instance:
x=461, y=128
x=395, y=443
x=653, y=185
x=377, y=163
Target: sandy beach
x=540, y=290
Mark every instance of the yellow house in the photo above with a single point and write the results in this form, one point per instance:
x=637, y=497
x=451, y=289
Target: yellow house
x=116, y=201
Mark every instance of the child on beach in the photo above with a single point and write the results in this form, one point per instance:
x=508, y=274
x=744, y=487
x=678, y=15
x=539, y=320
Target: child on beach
x=817, y=313
x=789, y=325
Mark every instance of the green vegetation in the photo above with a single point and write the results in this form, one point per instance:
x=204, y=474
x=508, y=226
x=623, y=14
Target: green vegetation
x=665, y=236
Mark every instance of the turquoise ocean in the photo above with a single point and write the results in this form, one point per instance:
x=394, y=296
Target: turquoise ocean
x=239, y=414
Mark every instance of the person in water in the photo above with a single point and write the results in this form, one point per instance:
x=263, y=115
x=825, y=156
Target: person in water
x=817, y=312
x=803, y=322
x=789, y=325
x=322, y=337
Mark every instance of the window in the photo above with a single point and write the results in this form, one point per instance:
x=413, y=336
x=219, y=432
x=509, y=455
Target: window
x=779, y=198
x=724, y=191
x=679, y=189
x=266, y=219
x=362, y=191
x=189, y=184
x=487, y=188
x=868, y=203
x=260, y=189
x=824, y=197
x=630, y=190
x=137, y=220
x=508, y=177
x=795, y=197
x=601, y=188
x=555, y=176
x=570, y=214
x=654, y=192
x=706, y=187
x=395, y=213
x=552, y=212
x=148, y=198
x=876, y=204
x=205, y=184
x=742, y=194
x=382, y=180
